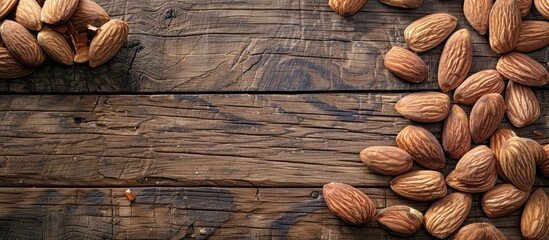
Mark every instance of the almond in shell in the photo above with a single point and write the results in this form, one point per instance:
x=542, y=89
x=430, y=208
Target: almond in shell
x=108, y=41
x=522, y=104
x=22, y=43
x=422, y=146
x=27, y=13
x=429, y=31
x=422, y=185
x=400, y=220
x=6, y=6
x=486, y=116
x=504, y=25
x=522, y=69
x=56, y=12
x=533, y=36
x=446, y=215
x=477, y=13
x=479, y=231
x=386, y=160
x=455, y=61
x=10, y=67
x=456, y=137
x=55, y=45
x=424, y=106
x=348, y=203
x=518, y=163
x=534, y=222
x=346, y=8
x=88, y=13
x=502, y=200
x=406, y=65
x=478, y=85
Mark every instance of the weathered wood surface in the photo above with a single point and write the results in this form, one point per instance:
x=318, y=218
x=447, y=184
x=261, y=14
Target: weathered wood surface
x=201, y=140
x=196, y=213
x=253, y=45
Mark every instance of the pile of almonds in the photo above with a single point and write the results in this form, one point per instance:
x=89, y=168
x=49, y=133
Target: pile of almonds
x=514, y=159
x=68, y=31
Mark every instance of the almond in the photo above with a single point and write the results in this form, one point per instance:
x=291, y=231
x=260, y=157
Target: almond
x=56, y=12
x=455, y=183
x=82, y=55
x=10, y=67
x=348, y=203
x=479, y=231
x=524, y=6
x=386, y=160
x=88, y=12
x=346, y=8
x=496, y=142
x=456, y=136
x=424, y=106
x=522, y=105
x=22, y=44
x=504, y=25
x=486, y=116
x=6, y=6
x=406, y=65
x=518, y=163
x=106, y=44
x=544, y=165
x=400, y=220
x=55, y=45
x=522, y=69
x=27, y=13
x=502, y=200
x=422, y=146
x=455, y=61
x=446, y=215
x=403, y=3
x=478, y=85
x=534, y=223
x=477, y=13
x=429, y=31
x=543, y=7
x=473, y=167
x=532, y=36
x=536, y=150
x=422, y=185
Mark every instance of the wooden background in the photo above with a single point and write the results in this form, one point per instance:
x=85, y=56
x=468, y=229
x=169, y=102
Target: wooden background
x=225, y=117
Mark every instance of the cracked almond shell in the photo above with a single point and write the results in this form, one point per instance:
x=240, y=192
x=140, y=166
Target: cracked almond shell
x=108, y=41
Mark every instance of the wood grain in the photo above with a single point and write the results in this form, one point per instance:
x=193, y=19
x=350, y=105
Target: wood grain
x=202, y=140
x=197, y=213
x=253, y=46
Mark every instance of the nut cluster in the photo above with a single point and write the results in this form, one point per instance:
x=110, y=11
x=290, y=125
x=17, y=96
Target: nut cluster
x=68, y=31
x=513, y=159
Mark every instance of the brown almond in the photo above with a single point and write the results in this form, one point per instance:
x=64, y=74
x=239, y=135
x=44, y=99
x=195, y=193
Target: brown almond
x=10, y=67
x=536, y=150
x=6, y=6
x=486, y=116
x=346, y=8
x=502, y=200
x=422, y=146
x=400, y=220
x=477, y=13
x=524, y=6
x=544, y=165
x=534, y=222
x=348, y=203
x=533, y=36
x=403, y=3
x=56, y=12
x=456, y=136
x=429, y=31
x=496, y=142
x=518, y=163
x=422, y=185
x=455, y=183
x=479, y=231
x=406, y=65
x=27, y=13
x=473, y=167
x=446, y=215
x=386, y=160
x=478, y=85
x=455, y=61
x=522, y=105
x=522, y=69
x=543, y=7
x=504, y=25
x=56, y=46
x=88, y=12
x=424, y=106
x=82, y=55
x=106, y=44
x=22, y=43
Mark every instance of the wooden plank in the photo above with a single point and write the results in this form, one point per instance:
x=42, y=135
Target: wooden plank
x=253, y=45
x=213, y=213
x=202, y=140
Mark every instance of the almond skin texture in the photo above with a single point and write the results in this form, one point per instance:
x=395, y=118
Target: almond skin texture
x=403, y=3
x=477, y=13
x=536, y=150
x=544, y=166
x=422, y=185
x=446, y=215
x=524, y=6
x=6, y=6
x=27, y=13
x=455, y=61
x=486, y=116
x=108, y=42
x=518, y=163
x=522, y=69
x=543, y=7
x=503, y=199
x=455, y=183
x=429, y=31
x=10, y=67
x=346, y=8
x=496, y=142
x=522, y=105
x=478, y=85
x=55, y=45
x=56, y=12
x=22, y=44
x=534, y=223
x=456, y=136
x=424, y=107
x=348, y=203
x=386, y=160
x=533, y=36
x=479, y=231
x=504, y=26
x=422, y=146
x=88, y=12
x=406, y=65
x=400, y=220
x=473, y=167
